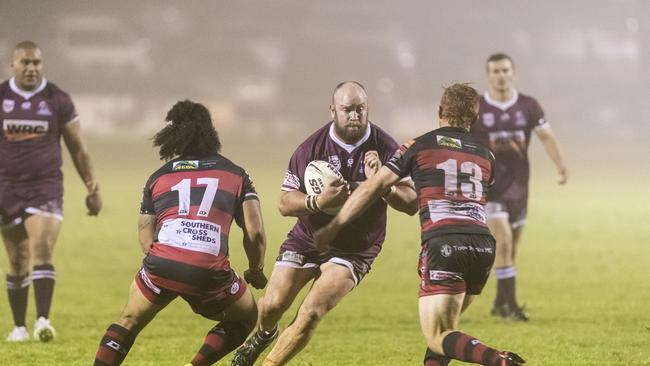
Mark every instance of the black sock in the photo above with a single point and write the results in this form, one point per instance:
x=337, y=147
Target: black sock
x=220, y=341
x=114, y=346
x=466, y=348
x=17, y=292
x=505, y=286
x=43, y=278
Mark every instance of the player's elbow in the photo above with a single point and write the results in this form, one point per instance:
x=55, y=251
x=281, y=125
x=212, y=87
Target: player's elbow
x=285, y=206
x=412, y=208
x=284, y=209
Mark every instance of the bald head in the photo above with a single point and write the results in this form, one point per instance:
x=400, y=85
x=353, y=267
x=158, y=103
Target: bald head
x=27, y=65
x=349, y=110
x=348, y=88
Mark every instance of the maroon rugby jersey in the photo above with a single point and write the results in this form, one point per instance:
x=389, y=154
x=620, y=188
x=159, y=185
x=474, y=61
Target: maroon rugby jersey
x=195, y=201
x=505, y=127
x=366, y=233
x=452, y=172
x=32, y=123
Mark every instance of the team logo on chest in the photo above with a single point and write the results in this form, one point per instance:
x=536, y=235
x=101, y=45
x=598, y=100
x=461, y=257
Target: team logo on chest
x=505, y=117
x=26, y=105
x=44, y=109
x=8, y=105
x=445, y=250
x=335, y=161
x=350, y=162
x=488, y=119
x=520, y=119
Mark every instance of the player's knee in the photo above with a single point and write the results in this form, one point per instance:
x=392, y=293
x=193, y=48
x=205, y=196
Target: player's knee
x=270, y=305
x=237, y=331
x=129, y=321
x=434, y=341
x=42, y=253
x=19, y=262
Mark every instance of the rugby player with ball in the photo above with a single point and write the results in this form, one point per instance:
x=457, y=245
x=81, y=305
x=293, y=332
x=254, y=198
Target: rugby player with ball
x=322, y=172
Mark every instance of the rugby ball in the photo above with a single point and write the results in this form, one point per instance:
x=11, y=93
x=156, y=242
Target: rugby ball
x=318, y=175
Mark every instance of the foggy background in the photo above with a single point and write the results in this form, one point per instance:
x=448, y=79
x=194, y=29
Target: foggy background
x=266, y=69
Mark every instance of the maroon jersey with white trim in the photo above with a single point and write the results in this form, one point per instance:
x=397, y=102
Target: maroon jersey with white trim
x=452, y=172
x=506, y=127
x=32, y=122
x=195, y=201
x=366, y=233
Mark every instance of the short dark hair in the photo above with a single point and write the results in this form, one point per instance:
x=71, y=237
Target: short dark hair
x=25, y=45
x=190, y=132
x=498, y=57
x=459, y=105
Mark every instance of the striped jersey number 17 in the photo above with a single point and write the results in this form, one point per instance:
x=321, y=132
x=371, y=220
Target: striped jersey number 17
x=184, y=189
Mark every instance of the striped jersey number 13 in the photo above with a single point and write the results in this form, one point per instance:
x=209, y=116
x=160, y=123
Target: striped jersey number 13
x=472, y=190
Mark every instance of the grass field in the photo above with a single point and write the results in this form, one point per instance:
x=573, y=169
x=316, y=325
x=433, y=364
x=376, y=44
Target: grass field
x=583, y=274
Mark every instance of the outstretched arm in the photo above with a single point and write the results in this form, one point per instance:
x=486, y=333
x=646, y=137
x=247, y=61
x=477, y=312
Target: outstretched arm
x=401, y=196
x=254, y=240
x=362, y=198
x=81, y=158
x=552, y=147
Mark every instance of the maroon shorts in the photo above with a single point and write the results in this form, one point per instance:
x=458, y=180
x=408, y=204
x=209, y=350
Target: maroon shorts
x=16, y=215
x=21, y=200
x=515, y=211
x=209, y=303
x=455, y=263
x=308, y=257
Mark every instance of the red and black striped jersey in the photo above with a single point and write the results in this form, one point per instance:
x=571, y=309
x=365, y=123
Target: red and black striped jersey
x=195, y=201
x=452, y=172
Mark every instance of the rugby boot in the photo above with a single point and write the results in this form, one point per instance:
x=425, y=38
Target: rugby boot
x=502, y=310
x=516, y=313
x=18, y=334
x=248, y=353
x=43, y=330
x=511, y=359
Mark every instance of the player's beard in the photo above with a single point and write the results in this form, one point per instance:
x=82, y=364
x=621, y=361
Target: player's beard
x=352, y=132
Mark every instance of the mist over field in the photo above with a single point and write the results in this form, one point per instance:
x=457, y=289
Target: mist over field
x=267, y=70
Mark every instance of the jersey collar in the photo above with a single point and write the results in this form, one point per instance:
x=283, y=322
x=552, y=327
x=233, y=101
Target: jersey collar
x=501, y=105
x=23, y=93
x=345, y=146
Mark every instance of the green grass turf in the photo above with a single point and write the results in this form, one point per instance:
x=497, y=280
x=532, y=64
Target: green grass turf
x=583, y=274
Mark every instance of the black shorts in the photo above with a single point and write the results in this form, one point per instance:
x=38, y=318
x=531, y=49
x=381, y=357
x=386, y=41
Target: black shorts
x=455, y=263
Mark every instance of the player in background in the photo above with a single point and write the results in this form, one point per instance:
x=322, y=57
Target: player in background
x=452, y=172
x=187, y=208
x=506, y=120
x=357, y=148
x=35, y=114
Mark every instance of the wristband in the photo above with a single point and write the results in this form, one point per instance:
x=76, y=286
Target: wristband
x=388, y=193
x=311, y=204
